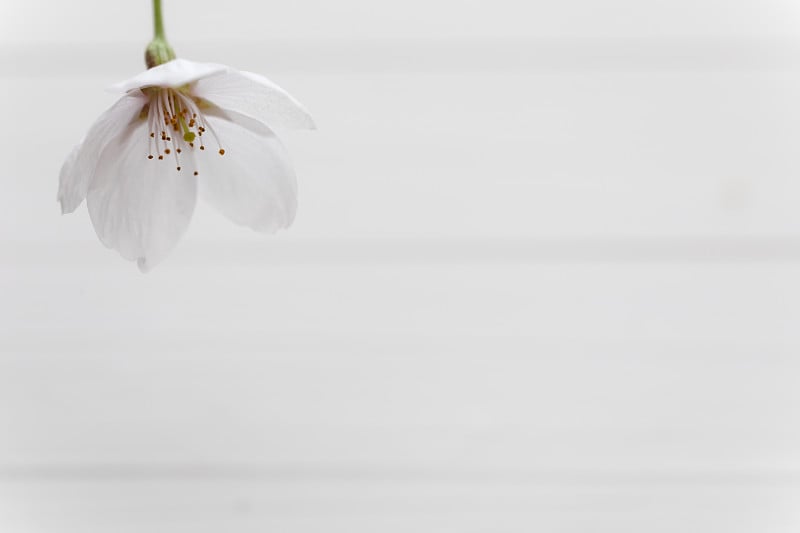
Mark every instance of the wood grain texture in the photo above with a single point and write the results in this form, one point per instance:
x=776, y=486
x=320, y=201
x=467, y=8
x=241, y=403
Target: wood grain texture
x=520, y=295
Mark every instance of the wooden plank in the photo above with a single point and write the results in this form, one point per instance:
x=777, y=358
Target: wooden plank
x=343, y=505
x=498, y=154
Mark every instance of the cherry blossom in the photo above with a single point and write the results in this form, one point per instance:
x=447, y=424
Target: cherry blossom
x=181, y=130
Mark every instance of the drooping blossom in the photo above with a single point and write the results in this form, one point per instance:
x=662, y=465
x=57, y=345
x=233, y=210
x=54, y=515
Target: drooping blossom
x=183, y=129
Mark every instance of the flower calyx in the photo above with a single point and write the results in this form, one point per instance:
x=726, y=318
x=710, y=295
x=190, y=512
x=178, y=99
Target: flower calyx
x=158, y=52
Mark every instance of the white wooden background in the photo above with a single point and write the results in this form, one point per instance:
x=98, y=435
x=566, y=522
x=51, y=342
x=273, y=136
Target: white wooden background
x=545, y=276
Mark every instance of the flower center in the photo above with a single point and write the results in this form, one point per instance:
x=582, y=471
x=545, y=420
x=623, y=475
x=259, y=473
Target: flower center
x=175, y=124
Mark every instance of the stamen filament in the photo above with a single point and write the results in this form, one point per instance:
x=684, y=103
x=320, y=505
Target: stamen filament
x=170, y=109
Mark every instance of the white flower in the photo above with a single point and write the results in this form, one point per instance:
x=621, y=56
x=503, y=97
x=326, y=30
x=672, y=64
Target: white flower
x=182, y=129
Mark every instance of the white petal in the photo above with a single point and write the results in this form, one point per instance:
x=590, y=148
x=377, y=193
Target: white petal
x=175, y=73
x=242, y=120
x=80, y=164
x=68, y=188
x=253, y=184
x=140, y=207
x=256, y=97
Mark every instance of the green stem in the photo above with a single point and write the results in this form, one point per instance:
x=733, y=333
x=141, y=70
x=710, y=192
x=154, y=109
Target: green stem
x=158, y=51
x=158, y=21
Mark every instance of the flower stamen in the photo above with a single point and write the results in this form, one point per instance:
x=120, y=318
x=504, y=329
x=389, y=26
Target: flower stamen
x=171, y=110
